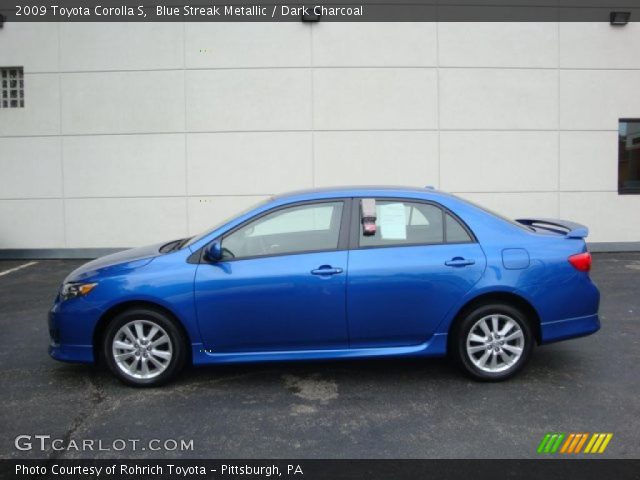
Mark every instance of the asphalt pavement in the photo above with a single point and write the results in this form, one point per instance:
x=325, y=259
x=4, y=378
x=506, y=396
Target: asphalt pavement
x=388, y=408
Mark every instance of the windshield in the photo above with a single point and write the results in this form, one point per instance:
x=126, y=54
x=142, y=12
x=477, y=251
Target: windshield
x=199, y=237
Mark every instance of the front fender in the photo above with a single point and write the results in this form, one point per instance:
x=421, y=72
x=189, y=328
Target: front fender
x=166, y=282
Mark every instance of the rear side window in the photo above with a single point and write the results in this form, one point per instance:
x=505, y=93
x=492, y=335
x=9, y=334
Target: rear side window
x=456, y=233
x=410, y=223
x=405, y=223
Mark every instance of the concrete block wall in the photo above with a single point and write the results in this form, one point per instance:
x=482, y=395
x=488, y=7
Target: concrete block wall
x=136, y=133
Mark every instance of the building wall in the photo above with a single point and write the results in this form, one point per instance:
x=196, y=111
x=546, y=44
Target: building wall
x=135, y=133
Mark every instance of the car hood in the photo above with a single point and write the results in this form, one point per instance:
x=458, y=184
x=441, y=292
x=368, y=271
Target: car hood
x=116, y=262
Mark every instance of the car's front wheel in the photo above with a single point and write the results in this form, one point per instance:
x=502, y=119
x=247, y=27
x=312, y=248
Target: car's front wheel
x=493, y=342
x=144, y=347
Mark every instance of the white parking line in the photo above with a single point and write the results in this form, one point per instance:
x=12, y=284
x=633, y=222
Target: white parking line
x=20, y=267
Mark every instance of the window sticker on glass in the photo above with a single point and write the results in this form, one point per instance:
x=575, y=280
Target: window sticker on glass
x=393, y=221
x=368, y=206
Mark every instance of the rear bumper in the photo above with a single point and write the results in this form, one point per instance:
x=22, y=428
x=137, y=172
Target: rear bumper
x=569, y=328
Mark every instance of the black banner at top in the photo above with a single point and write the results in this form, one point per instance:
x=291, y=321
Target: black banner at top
x=322, y=11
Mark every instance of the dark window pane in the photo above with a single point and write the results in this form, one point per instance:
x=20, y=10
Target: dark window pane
x=456, y=232
x=629, y=156
x=14, y=103
x=13, y=93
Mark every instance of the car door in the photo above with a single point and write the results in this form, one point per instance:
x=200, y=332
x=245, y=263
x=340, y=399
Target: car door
x=405, y=277
x=280, y=284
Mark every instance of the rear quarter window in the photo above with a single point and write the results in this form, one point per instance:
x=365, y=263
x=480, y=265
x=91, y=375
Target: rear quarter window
x=456, y=233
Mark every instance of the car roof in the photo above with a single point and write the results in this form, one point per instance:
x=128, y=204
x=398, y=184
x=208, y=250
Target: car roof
x=358, y=191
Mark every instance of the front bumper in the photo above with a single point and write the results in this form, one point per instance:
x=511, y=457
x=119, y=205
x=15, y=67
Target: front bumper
x=70, y=335
x=569, y=328
x=72, y=353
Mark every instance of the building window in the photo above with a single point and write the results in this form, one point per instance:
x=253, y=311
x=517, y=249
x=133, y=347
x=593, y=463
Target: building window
x=12, y=87
x=629, y=156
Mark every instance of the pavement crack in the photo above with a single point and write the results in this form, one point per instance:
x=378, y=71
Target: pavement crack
x=96, y=398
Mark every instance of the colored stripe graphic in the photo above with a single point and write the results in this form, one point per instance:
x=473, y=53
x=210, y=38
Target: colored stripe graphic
x=550, y=443
x=547, y=448
x=565, y=447
x=543, y=443
x=581, y=443
x=605, y=443
x=598, y=443
x=591, y=442
x=556, y=445
x=572, y=443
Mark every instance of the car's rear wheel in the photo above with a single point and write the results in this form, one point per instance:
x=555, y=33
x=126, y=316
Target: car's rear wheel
x=493, y=342
x=144, y=347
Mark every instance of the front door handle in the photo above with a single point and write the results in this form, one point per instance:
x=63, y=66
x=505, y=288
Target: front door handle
x=459, y=262
x=326, y=270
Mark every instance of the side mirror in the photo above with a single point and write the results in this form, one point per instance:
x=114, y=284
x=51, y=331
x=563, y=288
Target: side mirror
x=213, y=251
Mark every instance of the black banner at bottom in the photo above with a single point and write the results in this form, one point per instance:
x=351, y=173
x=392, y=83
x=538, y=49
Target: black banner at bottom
x=546, y=469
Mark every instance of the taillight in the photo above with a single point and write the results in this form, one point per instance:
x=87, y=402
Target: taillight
x=581, y=261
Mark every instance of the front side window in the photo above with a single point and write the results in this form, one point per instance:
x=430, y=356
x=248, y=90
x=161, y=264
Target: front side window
x=411, y=223
x=629, y=156
x=303, y=228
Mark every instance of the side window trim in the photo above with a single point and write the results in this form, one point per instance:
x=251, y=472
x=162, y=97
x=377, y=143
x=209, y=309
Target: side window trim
x=354, y=236
x=343, y=235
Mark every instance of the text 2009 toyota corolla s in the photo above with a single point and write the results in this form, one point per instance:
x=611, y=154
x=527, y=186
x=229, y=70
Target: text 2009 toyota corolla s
x=334, y=274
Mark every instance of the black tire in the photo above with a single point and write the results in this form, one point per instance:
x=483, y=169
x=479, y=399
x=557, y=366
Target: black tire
x=176, y=346
x=471, y=320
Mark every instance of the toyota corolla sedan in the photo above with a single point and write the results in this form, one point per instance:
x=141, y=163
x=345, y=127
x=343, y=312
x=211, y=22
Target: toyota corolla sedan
x=331, y=274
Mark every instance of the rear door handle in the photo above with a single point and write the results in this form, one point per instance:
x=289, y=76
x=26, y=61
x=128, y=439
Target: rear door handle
x=459, y=262
x=326, y=270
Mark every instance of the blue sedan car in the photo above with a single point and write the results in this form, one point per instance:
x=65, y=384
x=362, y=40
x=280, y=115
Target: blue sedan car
x=334, y=273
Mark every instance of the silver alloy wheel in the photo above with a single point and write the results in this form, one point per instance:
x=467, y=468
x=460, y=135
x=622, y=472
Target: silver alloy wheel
x=495, y=343
x=142, y=349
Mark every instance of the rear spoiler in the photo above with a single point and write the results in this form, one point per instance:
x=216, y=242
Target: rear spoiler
x=561, y=227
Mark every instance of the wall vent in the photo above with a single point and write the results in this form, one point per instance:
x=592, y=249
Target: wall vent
x=11, y=87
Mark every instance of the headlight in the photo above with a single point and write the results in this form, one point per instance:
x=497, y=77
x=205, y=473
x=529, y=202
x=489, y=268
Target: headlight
x=72, y=290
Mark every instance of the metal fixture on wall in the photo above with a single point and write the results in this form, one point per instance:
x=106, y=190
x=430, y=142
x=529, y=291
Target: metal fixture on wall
x=311, y=16
x=619, y=19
